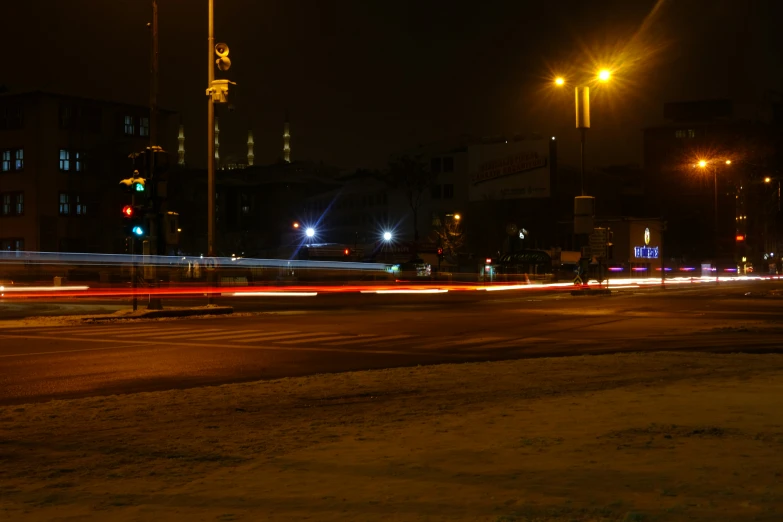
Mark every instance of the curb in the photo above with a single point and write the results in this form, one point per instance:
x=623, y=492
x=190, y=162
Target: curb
x=172, y=312
x=592, y=291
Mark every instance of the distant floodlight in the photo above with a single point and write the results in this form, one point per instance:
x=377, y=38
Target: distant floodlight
x=559, y=80
x=310, y=232
x=387, y=236
x=702, y=163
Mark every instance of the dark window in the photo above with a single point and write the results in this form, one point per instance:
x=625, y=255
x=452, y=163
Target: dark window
x=448, y=164
x=685, y=133
x=11, y=117
x=81, y=208
x=78, y=164
x=12, y=204
x=12, y=245
x=435, y=165
x=65, y=205
x=144, y=126
x=66, y=116
x=436, y=192
x=129, y=126
x=448, y=191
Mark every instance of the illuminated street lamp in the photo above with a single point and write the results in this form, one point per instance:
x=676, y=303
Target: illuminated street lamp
x=457, y=217
x=310, y=232
x=387, y=236
x=582, y=106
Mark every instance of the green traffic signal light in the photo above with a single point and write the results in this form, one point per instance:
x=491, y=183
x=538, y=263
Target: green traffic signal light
x=139, y=187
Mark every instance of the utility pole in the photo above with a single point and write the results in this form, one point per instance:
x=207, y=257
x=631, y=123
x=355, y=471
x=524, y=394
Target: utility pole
x=211, y=136
x=156, y=228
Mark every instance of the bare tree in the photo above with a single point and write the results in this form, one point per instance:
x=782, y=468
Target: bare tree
x=410, y=175
x=450, y=237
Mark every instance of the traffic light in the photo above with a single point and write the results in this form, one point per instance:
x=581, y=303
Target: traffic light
x=134, y=224
x=347, y=252
x=135, y=184
x=440, y=251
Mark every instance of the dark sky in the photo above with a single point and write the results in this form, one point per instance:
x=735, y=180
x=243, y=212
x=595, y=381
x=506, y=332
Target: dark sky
x=365, y=78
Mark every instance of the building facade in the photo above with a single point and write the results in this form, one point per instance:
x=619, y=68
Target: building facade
x=62, y=160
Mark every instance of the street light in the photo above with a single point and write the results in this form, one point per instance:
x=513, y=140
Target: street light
x=604, y=75
x=457, y=217
x=387, y=236
x=559, y=80
x=310, y=232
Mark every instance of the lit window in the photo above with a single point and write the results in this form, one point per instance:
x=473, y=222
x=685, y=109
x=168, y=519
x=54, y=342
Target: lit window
x=144, y=127
x=6, y=160
x=19, y=159
x=65, y=205
x=78, y=156
x=81, y=208
x=130, y=128
x=65, y=160
x=6, y=208
x=19, y=204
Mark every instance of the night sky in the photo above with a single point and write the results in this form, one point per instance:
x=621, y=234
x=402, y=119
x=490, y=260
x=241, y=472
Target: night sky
x=365, y=78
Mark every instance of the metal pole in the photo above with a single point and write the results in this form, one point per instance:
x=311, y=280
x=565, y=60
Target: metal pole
x=583, y=133
x=134, y=284
x=663, y=265
x=715, y=224
x=211, y=137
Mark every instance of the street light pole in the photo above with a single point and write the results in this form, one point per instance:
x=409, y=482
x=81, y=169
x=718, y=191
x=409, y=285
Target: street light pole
x=211, y=137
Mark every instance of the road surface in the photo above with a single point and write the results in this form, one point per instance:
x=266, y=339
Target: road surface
x=363, y=332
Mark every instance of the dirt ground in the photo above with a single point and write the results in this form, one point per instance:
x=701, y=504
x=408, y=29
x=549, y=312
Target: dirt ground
x=666, y=436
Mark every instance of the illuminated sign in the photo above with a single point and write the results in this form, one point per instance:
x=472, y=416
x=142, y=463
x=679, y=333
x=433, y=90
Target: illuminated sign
x=646, y=237
x=645, y=252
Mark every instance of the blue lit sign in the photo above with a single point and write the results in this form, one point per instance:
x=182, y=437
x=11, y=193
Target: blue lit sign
x=645, y=252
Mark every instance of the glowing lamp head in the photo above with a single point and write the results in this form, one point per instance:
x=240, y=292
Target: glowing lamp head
x=767, y=179
x=728, y=162
x=604, y=75
x=457, y=217
x=138, y=230
x=702, y=164
x=310, y=232
x=387, y=236
x=296, y=225
x=559, y=81
x=127, y=211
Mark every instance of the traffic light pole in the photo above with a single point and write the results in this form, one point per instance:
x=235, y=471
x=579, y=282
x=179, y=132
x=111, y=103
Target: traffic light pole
x=155, y=221
x=134, y=283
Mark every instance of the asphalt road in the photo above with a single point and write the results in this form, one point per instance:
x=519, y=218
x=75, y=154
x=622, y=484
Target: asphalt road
x=373, y=331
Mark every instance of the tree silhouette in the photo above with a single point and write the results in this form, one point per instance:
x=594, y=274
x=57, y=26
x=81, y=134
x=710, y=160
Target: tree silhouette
x=410, y=175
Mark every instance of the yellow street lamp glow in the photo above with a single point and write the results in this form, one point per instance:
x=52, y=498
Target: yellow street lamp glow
x=728, y=162
x=767, y=179
x=702, y=164
x=604, y=75
x=457, y=217
x=559, y=80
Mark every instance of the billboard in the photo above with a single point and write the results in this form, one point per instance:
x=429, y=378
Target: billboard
x=509, y=170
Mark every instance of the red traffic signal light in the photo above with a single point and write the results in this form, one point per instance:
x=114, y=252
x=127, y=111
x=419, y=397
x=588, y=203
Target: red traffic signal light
x=440, y=251
x=347, y=252
x=740, y=237
x=128, y=211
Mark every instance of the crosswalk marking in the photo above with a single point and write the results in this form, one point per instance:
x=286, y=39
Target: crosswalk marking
x=265, y=338
x=325, y=338
x=192, y=334
x=202, y=333
x=374, y=340
x=135, y=331
x=241, y=334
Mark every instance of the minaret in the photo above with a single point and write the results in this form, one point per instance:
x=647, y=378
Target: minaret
x=250, y=155
x=181, y=147
x=286, y=140
x=217, y=144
